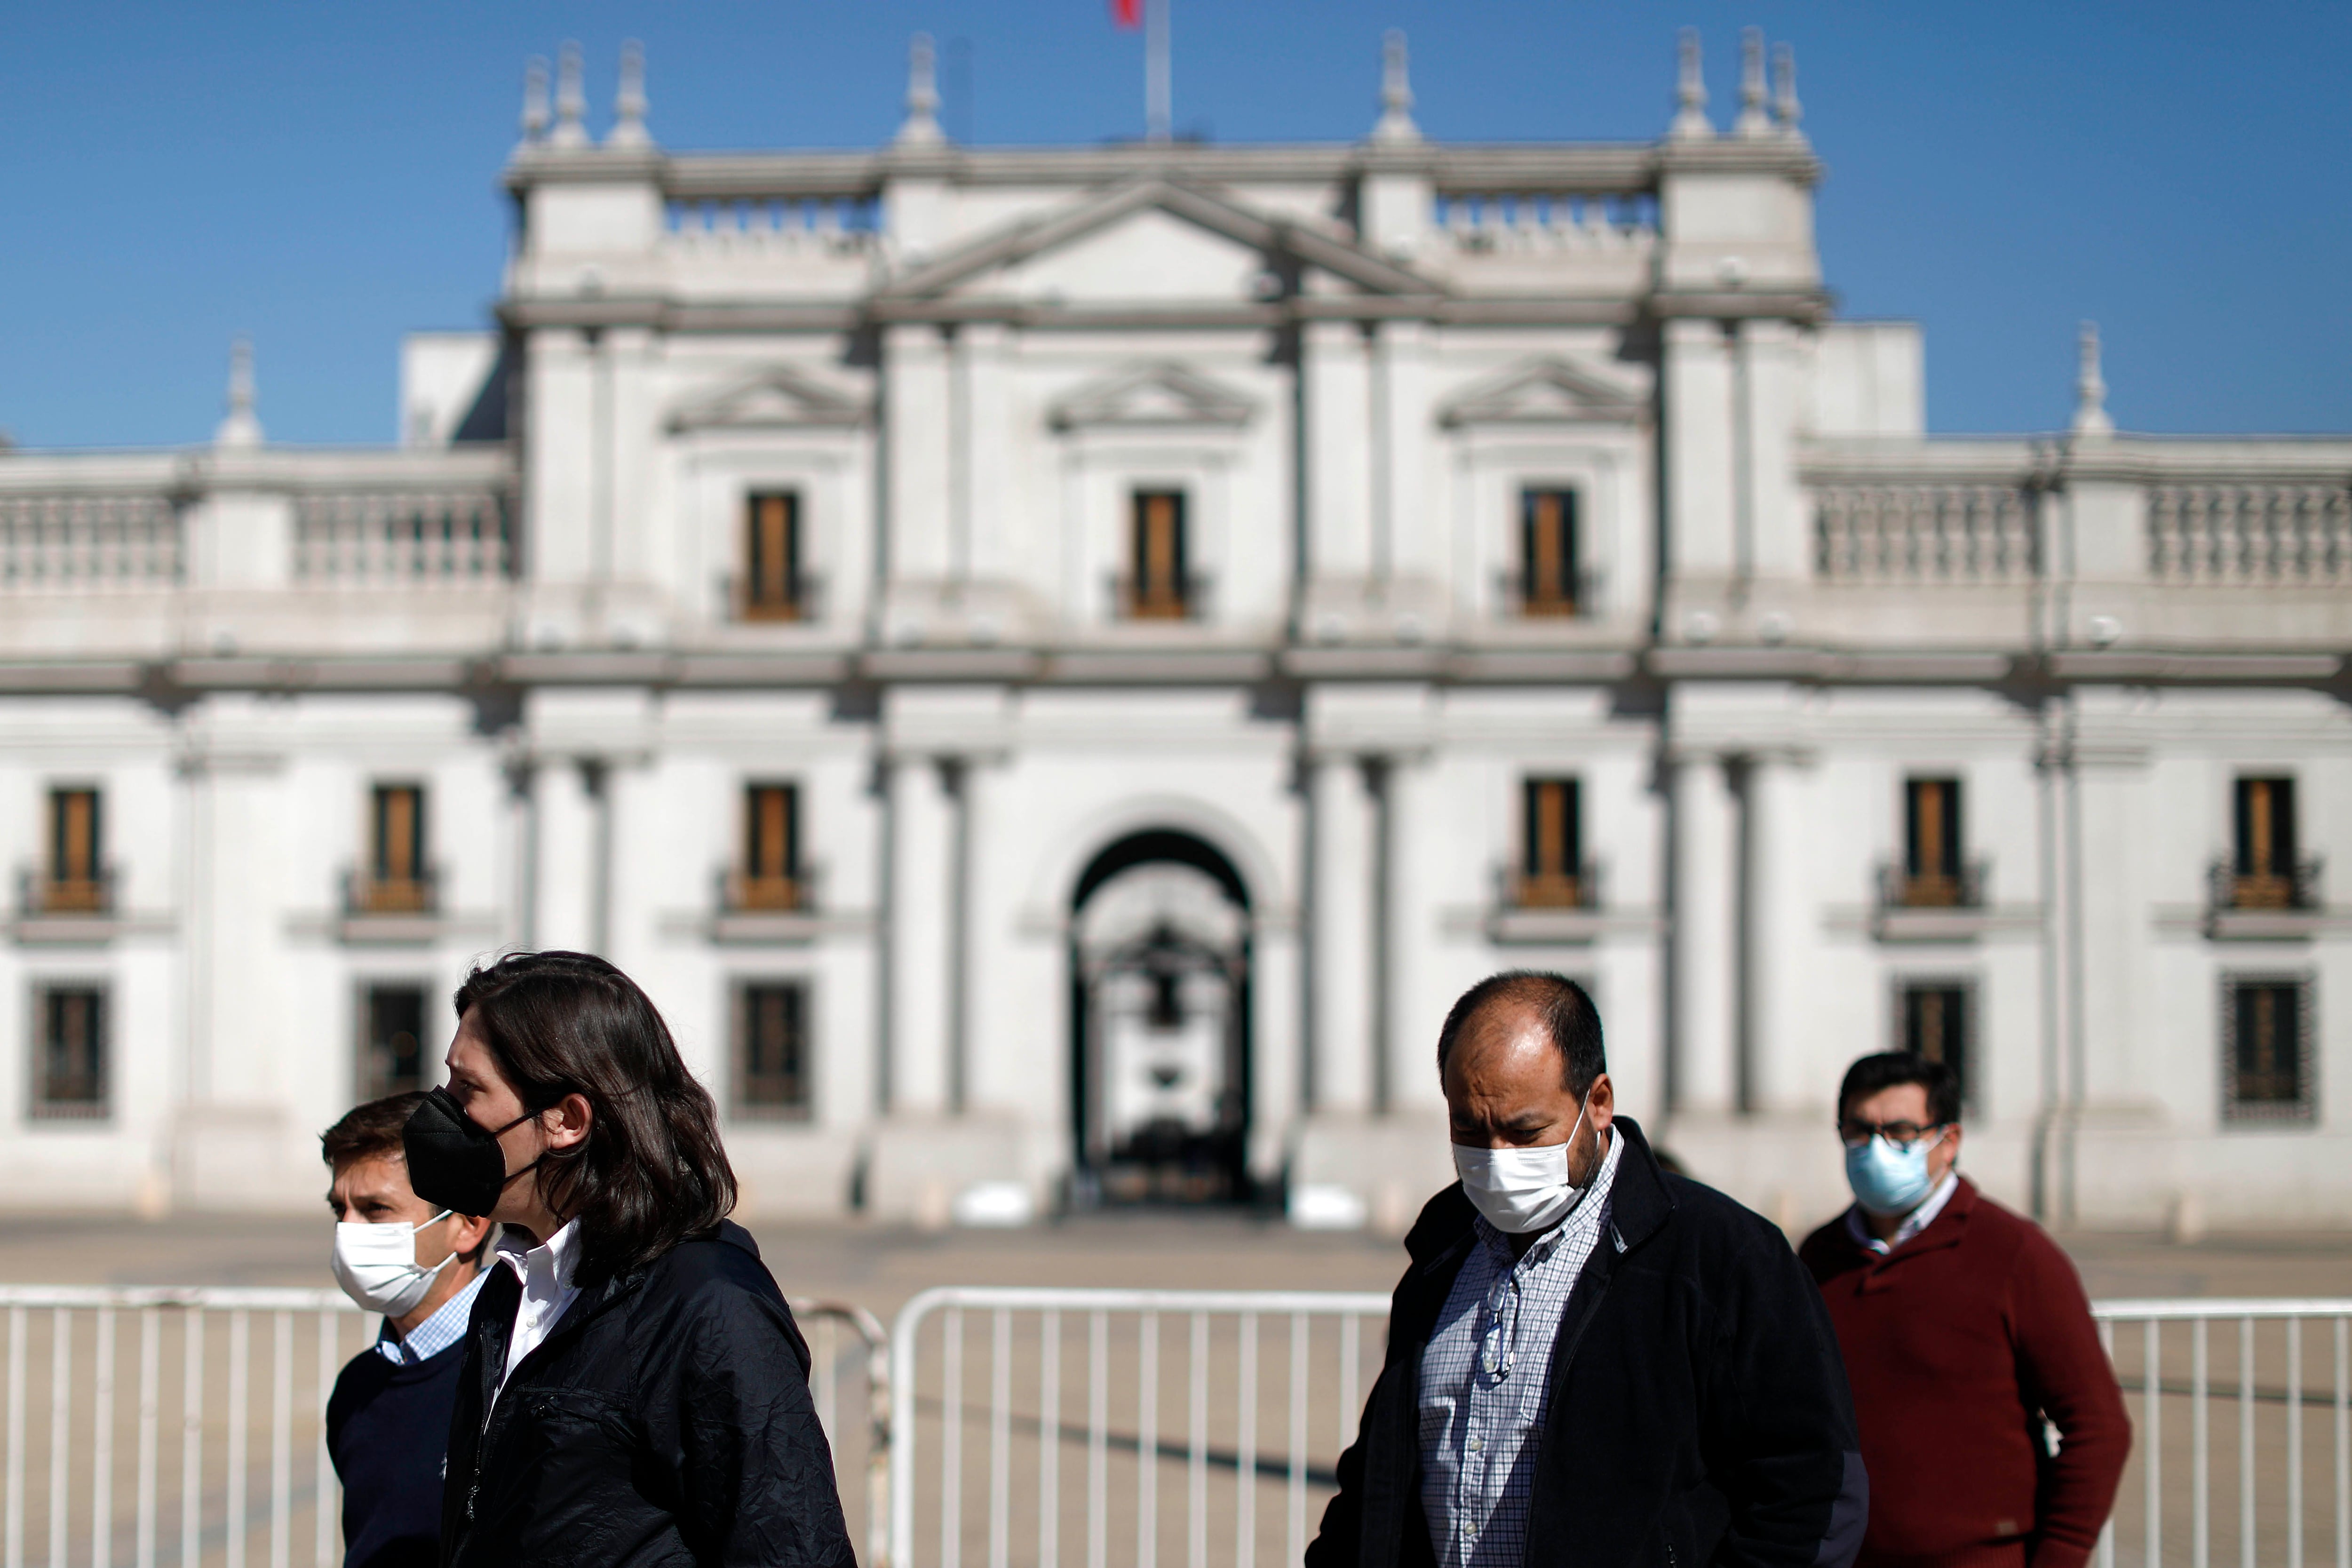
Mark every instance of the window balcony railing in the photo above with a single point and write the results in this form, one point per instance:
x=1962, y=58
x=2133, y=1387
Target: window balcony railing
x=2230, y=888
x=1900, y=888
x=1184, y=598
x=803, y=600
x=742, y=893
x=1517, y=602
x=40, y=896
x=365, y=894
x=1577, y=889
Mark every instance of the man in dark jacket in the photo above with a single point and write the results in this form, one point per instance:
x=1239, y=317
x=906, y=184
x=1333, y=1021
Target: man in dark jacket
x=1964, y=1328
x=1589, y=1362
x=710, y=1447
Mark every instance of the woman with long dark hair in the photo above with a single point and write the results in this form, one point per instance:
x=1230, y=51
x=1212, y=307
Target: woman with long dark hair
x=634, y=1389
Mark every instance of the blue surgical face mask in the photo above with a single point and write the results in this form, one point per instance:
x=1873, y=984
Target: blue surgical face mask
x=1888, y=1180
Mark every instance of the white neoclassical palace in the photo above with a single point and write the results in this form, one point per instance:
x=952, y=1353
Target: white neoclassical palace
x=1055, y=665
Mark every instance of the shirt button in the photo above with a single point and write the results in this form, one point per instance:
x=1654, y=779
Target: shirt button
x=1474, y=1444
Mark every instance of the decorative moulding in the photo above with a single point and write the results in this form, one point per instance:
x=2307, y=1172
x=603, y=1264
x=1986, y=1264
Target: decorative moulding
x=1158, y=394
x=1547, y=391
x=779, y=397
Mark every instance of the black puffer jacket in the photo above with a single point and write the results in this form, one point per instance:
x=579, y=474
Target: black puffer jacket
x=1698, y=1412
x=666, y=1420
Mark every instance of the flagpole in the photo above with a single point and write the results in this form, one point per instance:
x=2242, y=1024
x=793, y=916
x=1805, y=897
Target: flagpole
x=1157, y=94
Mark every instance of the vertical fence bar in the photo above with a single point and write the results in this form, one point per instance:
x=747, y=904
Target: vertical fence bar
x=2152, y=1480
x=2342, y=1443
x=951, y=1439
x=150, y=1417
x=1098, y=1439
x=1245, y=1471
x=824, y=1353
x=1147, y=1439
x=17, y=1334
x=192, y=1435
x=1049, y=1435
x=1000, y=1441
x=240, y=1368
x=322, y=1465
x=2246, y=1443
x=1351, y=1355
x=61, y=1426
x=281, y=1441
x=1196, y=1513
x=2107, y=1529
x=101, y=1444
x=2294, y=1443
x=1296, y=1510
x=2200, y=1464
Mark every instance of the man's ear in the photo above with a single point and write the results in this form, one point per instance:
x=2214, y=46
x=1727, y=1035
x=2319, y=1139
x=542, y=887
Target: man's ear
x=467, y=1236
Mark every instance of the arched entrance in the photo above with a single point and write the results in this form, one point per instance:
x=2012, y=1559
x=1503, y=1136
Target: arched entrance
x=1160, y=987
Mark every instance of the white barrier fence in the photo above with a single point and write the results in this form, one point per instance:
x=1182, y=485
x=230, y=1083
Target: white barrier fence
x=1198, y=1424
x=139, y=1430
x=1043, y=1426
x=2287, y=1493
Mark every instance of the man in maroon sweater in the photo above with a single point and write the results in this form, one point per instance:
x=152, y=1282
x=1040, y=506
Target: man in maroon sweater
x=1963, y=1328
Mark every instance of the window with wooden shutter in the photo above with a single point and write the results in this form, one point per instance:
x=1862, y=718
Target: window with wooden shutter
x=770, y=877
x=76, y=881
x=398, y=881
x=771, y=1050
x=1931, y=854
x=1551, y=862
x=2266, y=1047
x=69, y=1065
x=392, y=1040
x=1935, y=1023
x=1159, y=585
x=1548, y=582
x=2265, y=860
x=772, y=589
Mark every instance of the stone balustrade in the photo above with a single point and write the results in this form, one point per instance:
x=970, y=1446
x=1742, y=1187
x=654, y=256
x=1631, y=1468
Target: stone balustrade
x=1539, y=223
x=74, y=543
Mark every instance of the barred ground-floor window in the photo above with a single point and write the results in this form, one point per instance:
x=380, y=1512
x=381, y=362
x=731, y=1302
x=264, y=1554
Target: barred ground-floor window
x=2267, y=1030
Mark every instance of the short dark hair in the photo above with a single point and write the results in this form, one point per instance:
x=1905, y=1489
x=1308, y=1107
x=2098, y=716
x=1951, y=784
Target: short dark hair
x=652, y=1170
x=1889, y=1068
x=1566, y=1011
x=370, y=1131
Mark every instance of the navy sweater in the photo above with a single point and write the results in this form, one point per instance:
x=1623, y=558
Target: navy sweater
x=388, y=1433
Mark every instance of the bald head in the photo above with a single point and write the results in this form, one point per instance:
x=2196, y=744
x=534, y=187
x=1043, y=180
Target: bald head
x=1524, y=1005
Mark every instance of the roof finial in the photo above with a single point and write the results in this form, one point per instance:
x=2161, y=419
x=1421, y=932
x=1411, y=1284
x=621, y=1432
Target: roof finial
x=1753, y=120
x=1785, y=107
x=921, y=127
x=2091, y=389
x=534, y=100
x=570, y=102
x=1396, y=92
x=629, y=103
x=240, y=428
x=1690, y=118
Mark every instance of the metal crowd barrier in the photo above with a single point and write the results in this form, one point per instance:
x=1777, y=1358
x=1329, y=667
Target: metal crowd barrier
x=1261, y=1391
x=2267, y=1476
x=127, y=1376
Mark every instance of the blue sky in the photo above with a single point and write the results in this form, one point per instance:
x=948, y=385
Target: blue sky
x=323, y=176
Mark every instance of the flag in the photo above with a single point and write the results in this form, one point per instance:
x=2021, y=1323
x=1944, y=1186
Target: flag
x=1127, y=13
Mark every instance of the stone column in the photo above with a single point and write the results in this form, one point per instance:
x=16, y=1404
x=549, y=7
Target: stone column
x=1706, y=893
x=568, y=836
x=1768, y=1071
x=921, y=892
x=1335, y=368
x=1339, y=980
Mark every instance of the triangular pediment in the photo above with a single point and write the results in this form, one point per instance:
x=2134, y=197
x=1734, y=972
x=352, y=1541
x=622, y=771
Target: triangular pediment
x=1547, y=391
x=1131, y=230
x=778, y=397
x=1147, y=395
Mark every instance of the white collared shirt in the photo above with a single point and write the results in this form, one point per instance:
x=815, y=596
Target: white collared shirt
x=548, y=1292
x=1915, y=1221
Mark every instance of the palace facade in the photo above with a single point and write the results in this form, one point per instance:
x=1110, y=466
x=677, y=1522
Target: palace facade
x=1054, y=666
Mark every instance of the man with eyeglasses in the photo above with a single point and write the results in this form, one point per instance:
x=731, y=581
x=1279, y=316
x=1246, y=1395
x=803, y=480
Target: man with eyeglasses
x=1964, y=1328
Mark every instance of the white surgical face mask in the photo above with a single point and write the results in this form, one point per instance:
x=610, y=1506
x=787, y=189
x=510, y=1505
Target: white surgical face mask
x=376, y=1265
x=1520, y=1191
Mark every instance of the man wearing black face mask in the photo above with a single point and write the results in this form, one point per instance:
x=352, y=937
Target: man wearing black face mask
x=635, y=1390
x=1590, y=1361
